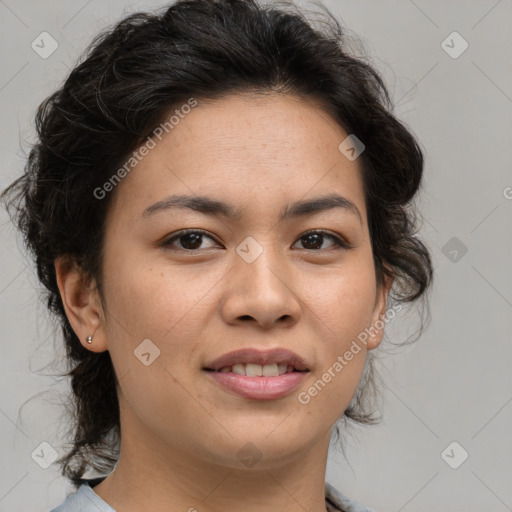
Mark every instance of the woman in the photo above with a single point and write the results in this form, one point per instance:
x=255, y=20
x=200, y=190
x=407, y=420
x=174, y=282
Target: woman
x=220, y=208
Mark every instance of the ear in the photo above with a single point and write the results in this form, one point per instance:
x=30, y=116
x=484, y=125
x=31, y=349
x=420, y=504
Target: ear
x=379, y=311
x=81, y=303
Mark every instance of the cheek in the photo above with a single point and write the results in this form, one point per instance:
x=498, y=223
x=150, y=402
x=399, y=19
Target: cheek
x=164, y=307
x=342, y=304
x=342, y=299
x=157, y=299
x=170, y=307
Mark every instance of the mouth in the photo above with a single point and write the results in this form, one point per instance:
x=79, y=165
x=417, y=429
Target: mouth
x=256, y=363
x=258, y=370
x=258, y=375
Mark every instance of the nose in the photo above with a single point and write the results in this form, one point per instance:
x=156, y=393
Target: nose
x=261, y=292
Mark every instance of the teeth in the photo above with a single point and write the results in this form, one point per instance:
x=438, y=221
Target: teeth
x=270, y=370
x=239, y=369
x=253, y=370
x=282, y=368
x=258, y=370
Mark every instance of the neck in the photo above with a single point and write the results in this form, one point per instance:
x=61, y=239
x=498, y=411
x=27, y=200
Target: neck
x=153, y=476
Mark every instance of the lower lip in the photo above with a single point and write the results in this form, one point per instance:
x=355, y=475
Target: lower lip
x=259, y=388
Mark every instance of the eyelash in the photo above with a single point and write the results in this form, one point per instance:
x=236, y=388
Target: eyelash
x=340, y=242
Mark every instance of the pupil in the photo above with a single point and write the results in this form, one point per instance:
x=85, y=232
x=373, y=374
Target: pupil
x=196, y=240
x=316, y=238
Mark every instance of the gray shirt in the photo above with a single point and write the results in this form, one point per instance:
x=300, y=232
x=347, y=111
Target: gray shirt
x=86, y=500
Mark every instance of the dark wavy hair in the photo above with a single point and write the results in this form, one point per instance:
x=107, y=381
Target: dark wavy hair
x=128, y=80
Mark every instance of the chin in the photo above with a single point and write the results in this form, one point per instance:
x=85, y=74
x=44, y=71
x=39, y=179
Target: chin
x=260, y=448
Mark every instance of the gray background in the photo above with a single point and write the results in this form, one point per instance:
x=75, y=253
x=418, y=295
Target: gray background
x=454, y=384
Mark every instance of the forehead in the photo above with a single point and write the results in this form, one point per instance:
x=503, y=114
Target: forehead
x=245, y=148
x=281, y=126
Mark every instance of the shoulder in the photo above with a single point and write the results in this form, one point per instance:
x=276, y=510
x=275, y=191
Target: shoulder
x=84, y=500
x=337, y=501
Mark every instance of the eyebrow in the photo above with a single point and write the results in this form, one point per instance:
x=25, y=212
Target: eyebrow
x=209, y=206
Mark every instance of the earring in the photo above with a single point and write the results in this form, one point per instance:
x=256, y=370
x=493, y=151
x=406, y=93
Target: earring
x=89, y=339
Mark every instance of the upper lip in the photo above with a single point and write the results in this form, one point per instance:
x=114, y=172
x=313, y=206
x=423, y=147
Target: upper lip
x=262, y=357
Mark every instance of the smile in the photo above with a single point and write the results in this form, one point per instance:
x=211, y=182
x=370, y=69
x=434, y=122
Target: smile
x=258, y=370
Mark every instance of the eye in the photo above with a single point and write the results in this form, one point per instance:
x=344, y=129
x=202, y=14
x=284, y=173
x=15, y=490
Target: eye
x=189, y=239
x=314, y=240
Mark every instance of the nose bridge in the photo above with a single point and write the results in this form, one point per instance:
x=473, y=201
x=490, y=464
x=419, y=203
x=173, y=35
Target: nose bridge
x=259, y=266
x=266, y=271
x=259, y=284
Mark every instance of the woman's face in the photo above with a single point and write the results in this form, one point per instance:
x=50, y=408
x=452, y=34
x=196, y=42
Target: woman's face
x=197, y=297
